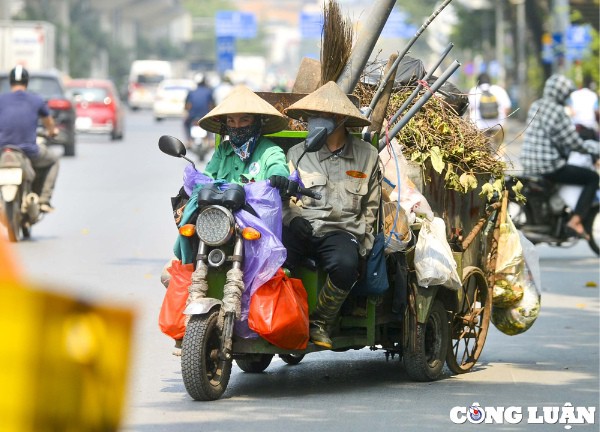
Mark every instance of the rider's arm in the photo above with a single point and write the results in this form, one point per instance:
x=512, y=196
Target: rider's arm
x=275, y=162
x=51, y=128
x=290, y=209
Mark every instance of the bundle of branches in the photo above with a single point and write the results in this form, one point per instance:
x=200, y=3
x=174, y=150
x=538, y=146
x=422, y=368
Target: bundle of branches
x=336, y=42
x=436, y=135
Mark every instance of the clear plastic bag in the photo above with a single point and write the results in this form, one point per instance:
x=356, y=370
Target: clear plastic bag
x=434, y=262
x=519, y=317
x=510, y=264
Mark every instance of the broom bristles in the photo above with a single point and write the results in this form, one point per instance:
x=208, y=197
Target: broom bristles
x=336, y=42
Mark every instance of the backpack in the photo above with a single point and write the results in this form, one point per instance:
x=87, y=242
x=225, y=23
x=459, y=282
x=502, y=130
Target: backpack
x=488, y=105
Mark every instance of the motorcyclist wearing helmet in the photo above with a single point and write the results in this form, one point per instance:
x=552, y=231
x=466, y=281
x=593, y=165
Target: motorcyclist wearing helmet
x=198, y=103
x=19, y=113
x=549, y=138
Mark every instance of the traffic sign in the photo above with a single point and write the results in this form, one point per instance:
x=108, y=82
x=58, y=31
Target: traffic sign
x=396, y=26
x=241, y=25
x=311, y=24
x=578, y=36
x=225, y=53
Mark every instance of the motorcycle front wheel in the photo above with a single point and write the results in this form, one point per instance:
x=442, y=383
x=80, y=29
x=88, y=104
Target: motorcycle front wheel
x=205, y=375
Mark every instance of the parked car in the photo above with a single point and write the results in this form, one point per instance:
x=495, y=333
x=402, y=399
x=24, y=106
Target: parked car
x=144, y=77
x=98, y=107
x=169, y=101
x=49, y=85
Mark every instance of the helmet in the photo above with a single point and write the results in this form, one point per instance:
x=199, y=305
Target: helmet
x=199, y=78
x=19, y=75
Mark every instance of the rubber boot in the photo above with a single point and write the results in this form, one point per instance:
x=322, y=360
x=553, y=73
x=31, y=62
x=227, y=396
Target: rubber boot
x=328, y=306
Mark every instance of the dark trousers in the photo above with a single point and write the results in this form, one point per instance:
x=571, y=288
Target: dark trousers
x=336, y=252
x=571, y=174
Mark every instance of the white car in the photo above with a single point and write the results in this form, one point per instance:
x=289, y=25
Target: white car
x=169, y=101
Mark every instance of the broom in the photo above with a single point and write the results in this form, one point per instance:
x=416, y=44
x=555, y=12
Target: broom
x=336, y=42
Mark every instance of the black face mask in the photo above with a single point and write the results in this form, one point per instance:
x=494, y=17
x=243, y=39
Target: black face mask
x=240, y=136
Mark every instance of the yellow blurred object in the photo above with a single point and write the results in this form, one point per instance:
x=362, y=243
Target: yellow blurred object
x=63, y=362
x=591, y=284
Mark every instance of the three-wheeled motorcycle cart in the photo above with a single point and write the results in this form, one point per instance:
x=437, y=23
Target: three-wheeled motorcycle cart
x=426, y=327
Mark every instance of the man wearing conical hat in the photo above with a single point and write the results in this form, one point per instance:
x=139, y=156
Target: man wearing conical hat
x=246, y=155
x=337, y=230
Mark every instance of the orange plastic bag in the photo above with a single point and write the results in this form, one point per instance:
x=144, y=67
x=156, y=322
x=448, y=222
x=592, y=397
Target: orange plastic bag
x=279, y=312
x=171, y=319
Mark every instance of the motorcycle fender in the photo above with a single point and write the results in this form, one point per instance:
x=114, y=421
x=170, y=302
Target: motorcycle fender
x=11, y=176
x=9, y=192
x=202, y=306
x=424, y=300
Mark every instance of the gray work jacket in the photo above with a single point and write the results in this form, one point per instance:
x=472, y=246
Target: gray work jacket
x=349, y=183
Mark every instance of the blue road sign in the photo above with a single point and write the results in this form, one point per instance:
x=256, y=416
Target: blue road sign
x=578, y=36
x=240, y=25
x=397, y=27
x=311, y=25
x=225, y=53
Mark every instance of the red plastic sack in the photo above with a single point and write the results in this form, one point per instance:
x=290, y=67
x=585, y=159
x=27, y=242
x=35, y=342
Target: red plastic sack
x=171, y=319
x=279, y=312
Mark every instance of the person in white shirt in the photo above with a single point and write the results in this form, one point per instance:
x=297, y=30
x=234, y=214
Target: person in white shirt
x=583, y=108
x=492, y=123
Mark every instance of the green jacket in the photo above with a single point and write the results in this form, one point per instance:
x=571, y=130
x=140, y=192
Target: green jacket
x=266, y=160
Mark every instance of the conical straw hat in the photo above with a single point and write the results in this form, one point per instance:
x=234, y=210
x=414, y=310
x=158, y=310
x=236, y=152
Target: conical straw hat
x=328, y=98
x=242, y=100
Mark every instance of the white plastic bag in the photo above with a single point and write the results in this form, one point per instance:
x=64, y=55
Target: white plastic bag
x=434, y=262
x=400, y=185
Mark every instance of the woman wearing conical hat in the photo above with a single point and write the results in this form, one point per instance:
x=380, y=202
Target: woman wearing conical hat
x=246, y=155
x=337, y=231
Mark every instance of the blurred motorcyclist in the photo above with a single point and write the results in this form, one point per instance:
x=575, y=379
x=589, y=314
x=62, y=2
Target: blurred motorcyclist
x=19, y=113
x=197, y=104
x=549, y=138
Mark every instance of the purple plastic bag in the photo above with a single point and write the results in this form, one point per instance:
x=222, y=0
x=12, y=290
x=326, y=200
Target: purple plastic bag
x=262, y=257
x=192, y=178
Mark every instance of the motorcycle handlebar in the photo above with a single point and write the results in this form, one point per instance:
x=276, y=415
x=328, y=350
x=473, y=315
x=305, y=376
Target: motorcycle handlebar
x=294, y=188
x=309, y=193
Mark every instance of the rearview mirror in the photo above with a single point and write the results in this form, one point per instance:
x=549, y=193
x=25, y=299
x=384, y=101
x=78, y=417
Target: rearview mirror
x=315, y=140
x=171, y=146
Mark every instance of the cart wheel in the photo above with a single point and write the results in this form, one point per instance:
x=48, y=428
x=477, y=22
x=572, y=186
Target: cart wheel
x=291, y=359
x=471, y=321
x=426, y=361
x=254, y=363
x=205, y=375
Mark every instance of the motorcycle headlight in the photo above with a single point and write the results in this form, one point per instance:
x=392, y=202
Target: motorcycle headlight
x=215, y=225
